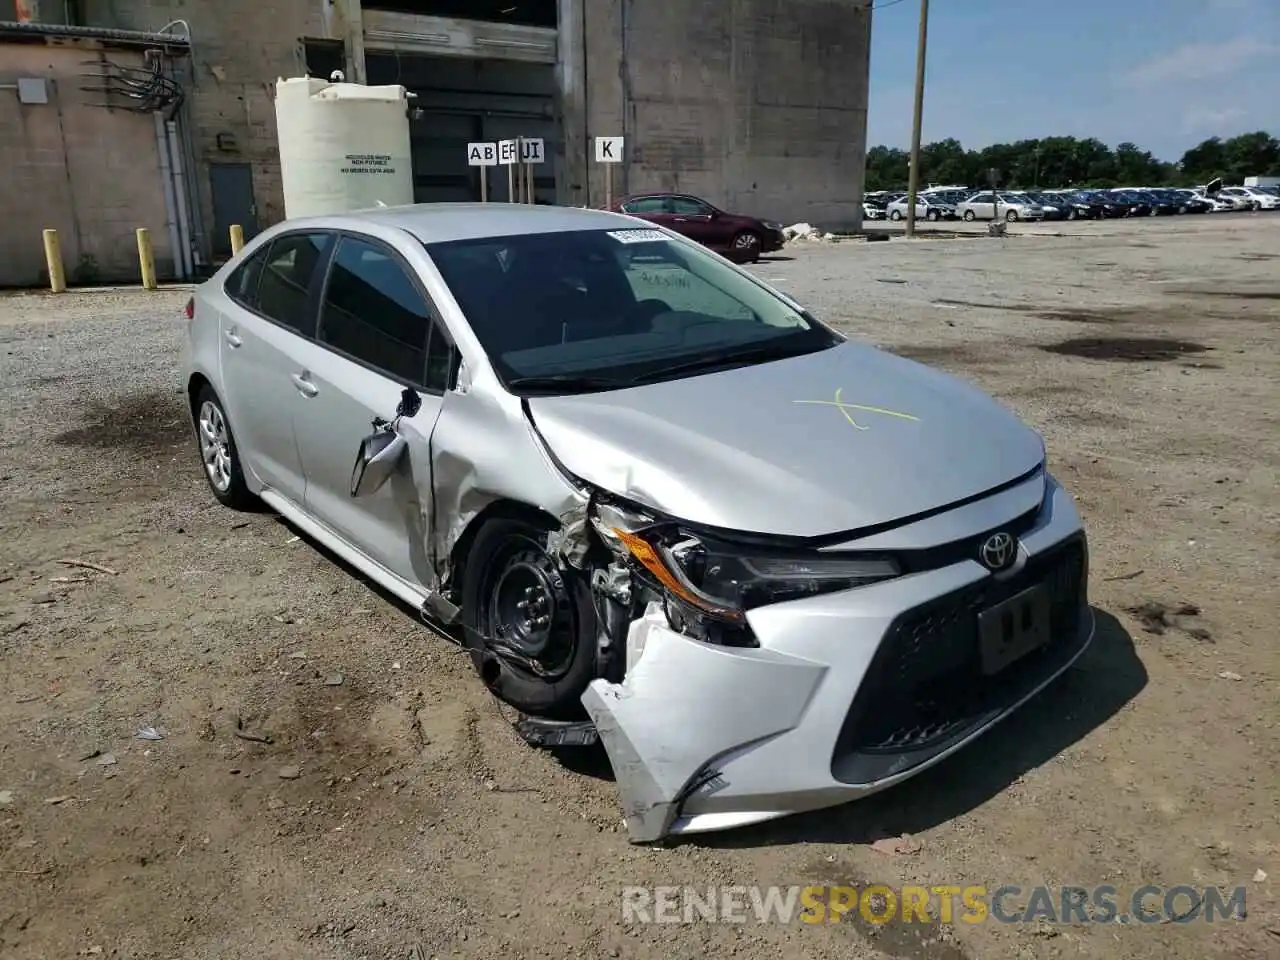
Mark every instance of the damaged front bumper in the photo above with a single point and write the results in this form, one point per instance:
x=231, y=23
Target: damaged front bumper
x=848, y=693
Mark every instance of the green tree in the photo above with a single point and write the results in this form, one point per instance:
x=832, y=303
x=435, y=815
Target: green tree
x=1070, y=162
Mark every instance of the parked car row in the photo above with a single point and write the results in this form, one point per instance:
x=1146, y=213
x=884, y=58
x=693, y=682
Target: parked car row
x=960, y=203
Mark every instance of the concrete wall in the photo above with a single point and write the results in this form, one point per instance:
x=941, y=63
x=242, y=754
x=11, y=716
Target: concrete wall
x=239, y=49
x=757, y=105
x=90, y=173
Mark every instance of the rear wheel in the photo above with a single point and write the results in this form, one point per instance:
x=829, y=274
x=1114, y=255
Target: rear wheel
x=530, y=626
x=746, y=246
x=1071, y=214
x=218, y=452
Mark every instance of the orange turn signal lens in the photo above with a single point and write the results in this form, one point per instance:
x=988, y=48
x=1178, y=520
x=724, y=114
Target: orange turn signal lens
x=672, y=579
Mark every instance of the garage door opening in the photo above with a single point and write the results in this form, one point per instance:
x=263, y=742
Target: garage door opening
x=525, y=13
x=460, y=101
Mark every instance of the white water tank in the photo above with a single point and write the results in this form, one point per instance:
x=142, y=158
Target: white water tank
x=343, y=146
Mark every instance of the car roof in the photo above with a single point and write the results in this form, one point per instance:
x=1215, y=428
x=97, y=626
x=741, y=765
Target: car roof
x=440, y=222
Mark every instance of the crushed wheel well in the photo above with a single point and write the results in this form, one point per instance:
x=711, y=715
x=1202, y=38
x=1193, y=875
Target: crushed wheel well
x=506, y=509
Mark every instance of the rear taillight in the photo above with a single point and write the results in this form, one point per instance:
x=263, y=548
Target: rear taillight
x=191, y=308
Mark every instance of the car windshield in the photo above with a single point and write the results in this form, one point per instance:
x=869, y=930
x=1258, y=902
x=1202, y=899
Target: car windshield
x=600, y=309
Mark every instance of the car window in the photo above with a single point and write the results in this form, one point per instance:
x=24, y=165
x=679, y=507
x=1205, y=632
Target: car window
x=374, y=313
x=688, y=207
x=980, y=198
x=618, y=303
x=644, y=205
x=242, y=285
x=284, y=288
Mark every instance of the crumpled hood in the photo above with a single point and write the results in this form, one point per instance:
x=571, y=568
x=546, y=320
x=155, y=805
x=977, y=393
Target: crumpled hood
x=830, y=442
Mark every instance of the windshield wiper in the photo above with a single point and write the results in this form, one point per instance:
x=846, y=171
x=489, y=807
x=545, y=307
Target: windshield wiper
x=570, y=382
x=754, y=354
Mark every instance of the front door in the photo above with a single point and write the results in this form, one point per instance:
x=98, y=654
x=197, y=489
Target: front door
x=375, y=339
x=231, y=186
x=695, y=220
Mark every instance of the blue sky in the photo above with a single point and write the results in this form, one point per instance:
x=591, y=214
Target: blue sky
x=1164, y=74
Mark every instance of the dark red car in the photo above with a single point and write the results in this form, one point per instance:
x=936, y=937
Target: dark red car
x=741, y=239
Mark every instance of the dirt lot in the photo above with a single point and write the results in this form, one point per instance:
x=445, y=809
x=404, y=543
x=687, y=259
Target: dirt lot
x=395, y=814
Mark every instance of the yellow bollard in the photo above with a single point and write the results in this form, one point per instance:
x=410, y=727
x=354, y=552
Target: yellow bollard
x=53, y=257
x=237, y=238
x=146, y=259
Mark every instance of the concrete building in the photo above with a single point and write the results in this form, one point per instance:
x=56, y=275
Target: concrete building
x=758, y=105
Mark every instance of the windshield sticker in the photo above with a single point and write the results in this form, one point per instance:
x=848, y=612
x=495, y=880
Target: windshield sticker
x=637, y=236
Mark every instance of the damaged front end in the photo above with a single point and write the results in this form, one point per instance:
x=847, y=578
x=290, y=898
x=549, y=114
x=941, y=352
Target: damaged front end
x=683, y=682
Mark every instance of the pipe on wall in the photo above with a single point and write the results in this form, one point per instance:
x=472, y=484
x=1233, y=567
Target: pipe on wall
x=180, y=192
x=170, y=199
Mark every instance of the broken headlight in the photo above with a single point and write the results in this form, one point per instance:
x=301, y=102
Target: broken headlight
x=723, y=581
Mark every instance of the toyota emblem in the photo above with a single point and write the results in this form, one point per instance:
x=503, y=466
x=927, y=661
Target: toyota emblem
x=999, y=551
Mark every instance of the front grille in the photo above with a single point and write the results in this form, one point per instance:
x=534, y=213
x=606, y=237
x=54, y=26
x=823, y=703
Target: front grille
x=925, y=688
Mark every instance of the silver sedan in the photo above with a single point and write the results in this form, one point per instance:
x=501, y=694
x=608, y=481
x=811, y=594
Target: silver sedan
x=770, y=568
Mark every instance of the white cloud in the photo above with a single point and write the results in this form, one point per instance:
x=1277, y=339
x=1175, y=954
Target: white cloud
x=1199, y=118
x=1199, y=61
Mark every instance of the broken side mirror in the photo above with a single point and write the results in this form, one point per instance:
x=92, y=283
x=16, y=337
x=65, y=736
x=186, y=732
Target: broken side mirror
x=410, y=403
x=378, y=456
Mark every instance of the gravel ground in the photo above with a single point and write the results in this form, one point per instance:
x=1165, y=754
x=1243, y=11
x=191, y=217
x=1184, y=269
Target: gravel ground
x=393, y=812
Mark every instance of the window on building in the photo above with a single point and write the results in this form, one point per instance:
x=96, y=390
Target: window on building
x=529, y=13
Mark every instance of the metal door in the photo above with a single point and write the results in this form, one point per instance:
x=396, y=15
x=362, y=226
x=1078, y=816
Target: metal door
x=231, y=186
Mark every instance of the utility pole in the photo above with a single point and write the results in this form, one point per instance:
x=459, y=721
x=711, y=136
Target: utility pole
x=913, y=175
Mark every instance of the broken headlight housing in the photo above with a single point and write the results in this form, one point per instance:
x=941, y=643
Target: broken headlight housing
x=709, y=585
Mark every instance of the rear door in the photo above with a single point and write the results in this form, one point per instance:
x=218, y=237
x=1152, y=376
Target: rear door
x=271, y=315
x=378, y=334
x=983, y=206
x=653, y=209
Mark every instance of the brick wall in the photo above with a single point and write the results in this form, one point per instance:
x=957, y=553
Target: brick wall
x=239, y=49
x=89, y=173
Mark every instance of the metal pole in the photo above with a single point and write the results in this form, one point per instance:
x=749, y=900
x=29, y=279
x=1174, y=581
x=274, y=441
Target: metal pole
x=484, y=184
x=608, y=185
x=511, y=183
x=913, y=175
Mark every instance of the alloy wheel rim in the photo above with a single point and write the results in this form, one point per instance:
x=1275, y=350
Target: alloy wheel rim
x=215, y=446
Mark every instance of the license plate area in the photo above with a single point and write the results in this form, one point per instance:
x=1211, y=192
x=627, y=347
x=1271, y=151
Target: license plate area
x=1014, y=628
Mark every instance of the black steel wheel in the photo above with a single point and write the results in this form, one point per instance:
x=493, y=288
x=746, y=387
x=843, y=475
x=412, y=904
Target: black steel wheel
x=530, y=624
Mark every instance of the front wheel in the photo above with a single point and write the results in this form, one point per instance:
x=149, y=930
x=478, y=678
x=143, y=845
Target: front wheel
x=530, y=625
x=218, y=452
x=1011, y=216
x=970, y=216
x=1071, y=214
x=932, y=215
x=895, y=216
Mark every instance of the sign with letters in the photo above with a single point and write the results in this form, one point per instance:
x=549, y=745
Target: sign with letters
x=609, y=149
x=532, y=151
x=482, y=154
x=508, y=152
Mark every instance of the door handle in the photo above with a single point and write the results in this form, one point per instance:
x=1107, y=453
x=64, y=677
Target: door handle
x=233, y=338
x=305, y=386
x=681, y=219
